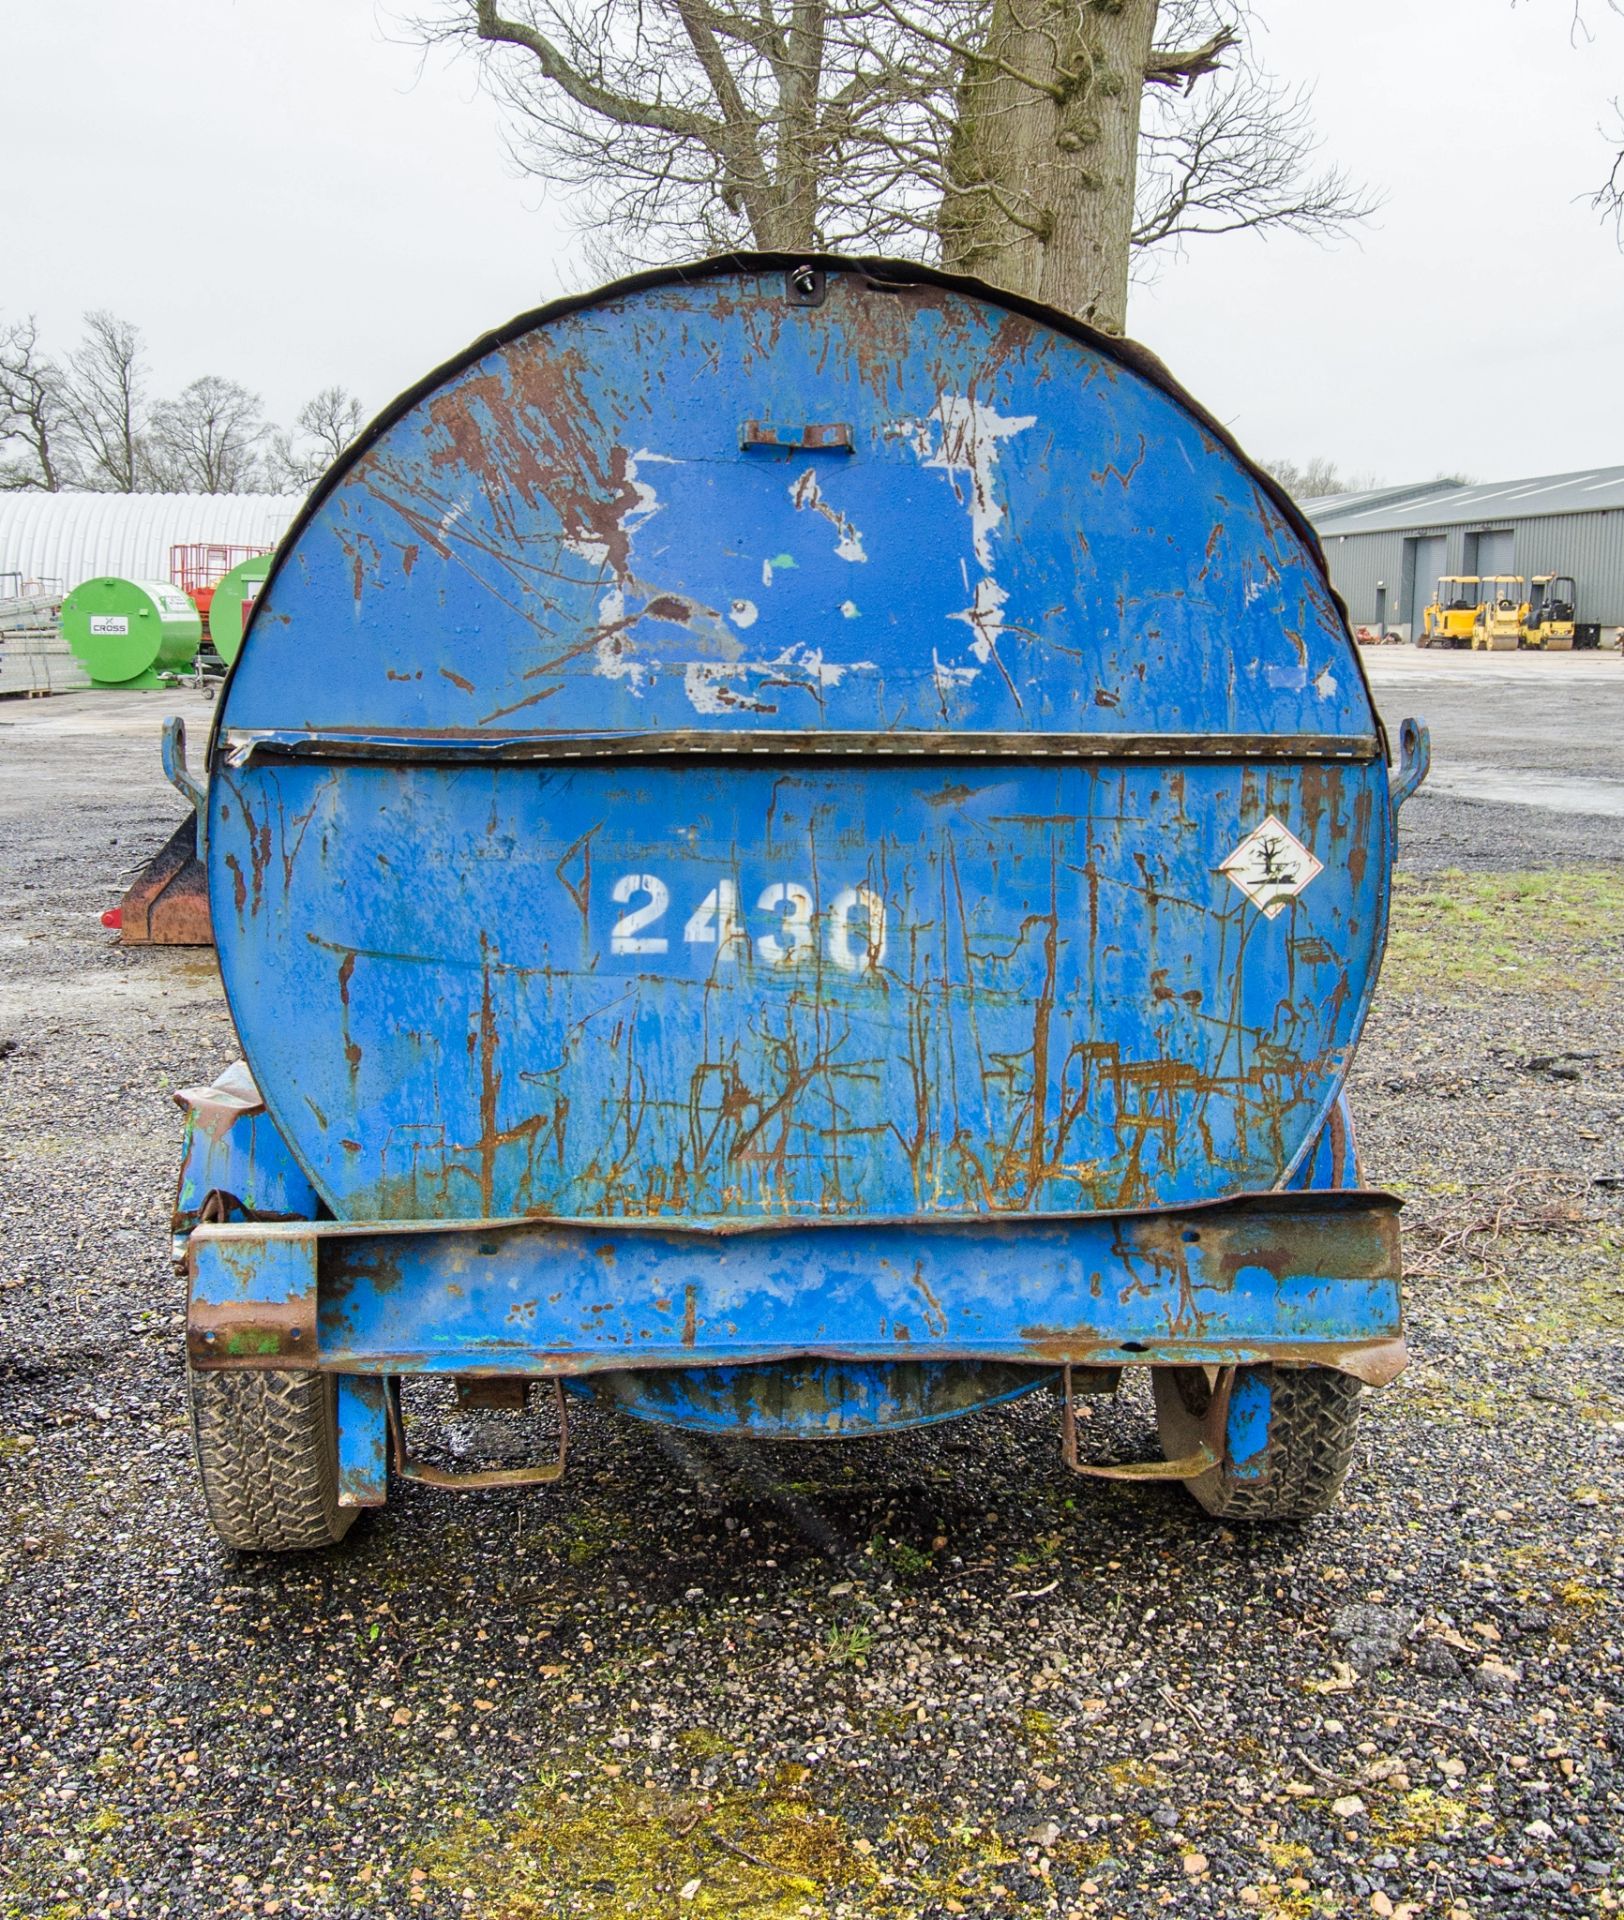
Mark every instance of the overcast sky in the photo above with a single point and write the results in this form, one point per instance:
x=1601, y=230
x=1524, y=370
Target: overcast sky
x=282, y=192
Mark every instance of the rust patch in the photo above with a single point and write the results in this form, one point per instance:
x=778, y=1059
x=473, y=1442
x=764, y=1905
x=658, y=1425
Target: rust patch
x=535, y=432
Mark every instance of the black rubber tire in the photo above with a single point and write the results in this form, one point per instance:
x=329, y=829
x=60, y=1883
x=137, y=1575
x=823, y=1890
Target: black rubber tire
x=1314, y=1419
x=267, y=1449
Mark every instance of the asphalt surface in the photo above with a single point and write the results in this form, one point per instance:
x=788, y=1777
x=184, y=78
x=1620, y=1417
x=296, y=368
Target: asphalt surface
x=932, y=1674
x=1528, y=754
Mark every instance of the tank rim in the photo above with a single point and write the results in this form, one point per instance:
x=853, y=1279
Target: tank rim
x=890, y=273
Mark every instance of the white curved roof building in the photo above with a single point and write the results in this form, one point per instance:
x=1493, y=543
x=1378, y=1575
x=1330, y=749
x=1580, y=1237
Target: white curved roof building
x=56, y=540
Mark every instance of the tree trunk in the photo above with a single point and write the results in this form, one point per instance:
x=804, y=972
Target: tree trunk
x=1043, y=159
x=799, y=161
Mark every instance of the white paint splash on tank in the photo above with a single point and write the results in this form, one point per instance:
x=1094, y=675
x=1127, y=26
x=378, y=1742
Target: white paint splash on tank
x=708, y=692
x=707, y=683
x=961, y=438
x=609, y=653
x=948, y=676
x=984, y=617
x=648, y=501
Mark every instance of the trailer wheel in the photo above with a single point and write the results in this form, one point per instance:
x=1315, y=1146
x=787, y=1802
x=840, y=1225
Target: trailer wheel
x=1304, y=1419
x=267, y=1448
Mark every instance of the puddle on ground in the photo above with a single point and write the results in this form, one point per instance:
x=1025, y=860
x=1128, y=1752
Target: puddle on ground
x=1556, y=792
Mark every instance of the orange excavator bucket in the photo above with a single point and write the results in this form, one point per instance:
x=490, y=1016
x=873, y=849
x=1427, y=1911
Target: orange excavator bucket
x=167, y=903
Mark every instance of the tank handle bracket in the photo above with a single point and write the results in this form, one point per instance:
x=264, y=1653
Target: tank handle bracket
x=1415, y=761
x=176, y=771
x=809, y=436
x=1187, y=1468
x=410, y=1468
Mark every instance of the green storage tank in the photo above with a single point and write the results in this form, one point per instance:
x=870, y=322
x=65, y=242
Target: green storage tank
x=232, y=595
x=128, y=633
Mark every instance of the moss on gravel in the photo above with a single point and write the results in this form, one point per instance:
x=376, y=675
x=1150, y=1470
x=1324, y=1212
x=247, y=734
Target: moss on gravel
x=617, y=1851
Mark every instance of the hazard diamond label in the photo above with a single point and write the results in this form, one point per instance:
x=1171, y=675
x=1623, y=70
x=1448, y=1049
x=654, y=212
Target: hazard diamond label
x=1271, y=866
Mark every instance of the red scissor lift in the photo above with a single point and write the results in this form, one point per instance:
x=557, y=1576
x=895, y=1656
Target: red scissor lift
x=197, y=567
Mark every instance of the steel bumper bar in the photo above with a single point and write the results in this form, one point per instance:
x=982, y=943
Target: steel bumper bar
x=1305, y=1277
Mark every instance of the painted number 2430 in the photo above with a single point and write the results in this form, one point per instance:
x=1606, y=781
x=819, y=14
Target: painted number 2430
x=853, y=930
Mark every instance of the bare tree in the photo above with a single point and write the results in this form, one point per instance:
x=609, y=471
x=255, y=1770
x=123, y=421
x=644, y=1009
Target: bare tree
x=1004, y=137
x=208, y=439
x=325, y=425
x=104, y=399
x=1319, y=478
x=32, y=415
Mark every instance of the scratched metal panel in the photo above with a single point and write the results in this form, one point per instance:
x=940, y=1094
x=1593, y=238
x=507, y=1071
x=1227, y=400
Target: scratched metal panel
x=725, y=990
x=1025, y=534
x=594, y=990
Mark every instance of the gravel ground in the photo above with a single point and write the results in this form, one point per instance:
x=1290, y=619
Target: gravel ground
x=927, y=1675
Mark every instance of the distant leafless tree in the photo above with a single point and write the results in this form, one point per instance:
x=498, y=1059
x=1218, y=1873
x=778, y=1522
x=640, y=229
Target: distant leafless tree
x=1318, y=478
x=32, y=418
x=209, y=438
x=104, y=400
x=325, y=426
x=1010, y=138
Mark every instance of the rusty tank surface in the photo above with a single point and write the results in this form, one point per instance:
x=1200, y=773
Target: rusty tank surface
x=797, y=847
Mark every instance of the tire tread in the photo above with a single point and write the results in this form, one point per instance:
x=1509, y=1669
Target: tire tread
x=267, y=1450
x=1314, y=1421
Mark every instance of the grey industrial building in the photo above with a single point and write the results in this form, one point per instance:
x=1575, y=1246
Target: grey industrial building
x=1388, y=547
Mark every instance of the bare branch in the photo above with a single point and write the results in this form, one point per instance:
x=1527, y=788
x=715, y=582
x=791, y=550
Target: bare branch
x=1167, y=68
x=1240, y=160
x=1608, y=199
x=593, y=96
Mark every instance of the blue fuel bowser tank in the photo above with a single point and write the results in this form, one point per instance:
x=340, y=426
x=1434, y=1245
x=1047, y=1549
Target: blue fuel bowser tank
x=797, y=847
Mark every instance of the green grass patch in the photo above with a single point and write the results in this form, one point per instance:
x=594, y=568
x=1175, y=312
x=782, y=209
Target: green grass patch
x=1557, y=931
x=848, y=1646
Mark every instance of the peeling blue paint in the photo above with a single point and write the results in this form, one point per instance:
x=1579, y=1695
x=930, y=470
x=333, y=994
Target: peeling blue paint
x=363, y=1441
x=1247, y=1429
x=884, y=770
